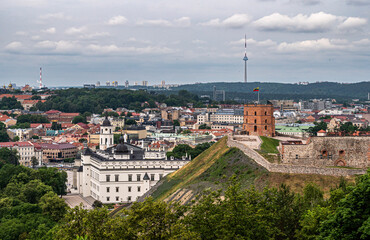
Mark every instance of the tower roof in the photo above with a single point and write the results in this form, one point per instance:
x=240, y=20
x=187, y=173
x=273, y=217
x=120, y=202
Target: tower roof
x=106, y=122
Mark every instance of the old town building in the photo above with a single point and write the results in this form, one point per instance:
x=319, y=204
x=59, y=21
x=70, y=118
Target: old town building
x=259, y=119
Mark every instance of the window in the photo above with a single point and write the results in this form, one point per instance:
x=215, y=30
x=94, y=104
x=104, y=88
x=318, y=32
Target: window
x=116, y=177
x=107, y=178
x=160, y=176
x=138, y=177
x=265, y=113
x=117, y=198
x=296, y=156
x=255, y=128
x=341, y=153
x=246, y=113
x=151, y=177
x=130, y=177
x=108, y=199
x=138, y=189
x=255, y=120
x=255, y=113
x=129, y=189
x=117, y=189
x=265, y=120
x=265, y=127
x=108, y=189
x=129, y=198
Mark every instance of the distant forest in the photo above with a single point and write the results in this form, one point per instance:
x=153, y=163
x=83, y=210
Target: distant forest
x=96, y=100
x=269, y=91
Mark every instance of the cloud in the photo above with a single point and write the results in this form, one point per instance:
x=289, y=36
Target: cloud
x=74, y=30
x=312, y=45
x=307, y=2
x=155, y=23
x=51, y=30
x=358, y=2
x=58, y=47
x=114, y=49
x=197, y=41
x=251, y=41
x=362, y=42
x=59, y=16
x=132, y=39
x=182, y=22
x=117, y=20
x=21, y=33
x=316, y=22
x=352, y=23
x=179, y=22
x=235, y=21
x=14, y=47
x=35, y=37
x=94, y=35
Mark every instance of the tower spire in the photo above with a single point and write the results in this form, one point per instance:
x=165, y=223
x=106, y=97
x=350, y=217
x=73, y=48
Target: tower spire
x=245, y=59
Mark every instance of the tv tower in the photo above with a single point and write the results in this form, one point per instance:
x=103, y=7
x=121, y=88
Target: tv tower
x=40, y=81
x=245, y=58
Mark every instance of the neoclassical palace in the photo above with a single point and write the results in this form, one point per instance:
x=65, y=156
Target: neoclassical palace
x=122, y=172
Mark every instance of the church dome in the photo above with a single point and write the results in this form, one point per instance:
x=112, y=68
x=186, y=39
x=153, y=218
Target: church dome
x=121, y=147
x=106, y=122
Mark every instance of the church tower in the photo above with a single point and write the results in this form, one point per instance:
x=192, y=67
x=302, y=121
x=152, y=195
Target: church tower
x=106, y=134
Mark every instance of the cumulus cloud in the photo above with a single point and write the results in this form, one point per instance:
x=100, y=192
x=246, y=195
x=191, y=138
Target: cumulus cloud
x=74, y=30
x=235, y=21
x=311, y=45
x=14, y=47
x=59, y=15
x=352, y=23
x=183, y=22
x=59, y=47
x=117, y=20
x=51, y=30
x=180, y=22
x=251, y=41
x=358, y=2
x=362, y=42
x=316, y=22
x=114, y=49
x=94, y=35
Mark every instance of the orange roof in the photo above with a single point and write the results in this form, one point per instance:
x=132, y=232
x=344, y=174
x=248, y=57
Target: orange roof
x=322, y=131
x=69, y=114
x=4, y=117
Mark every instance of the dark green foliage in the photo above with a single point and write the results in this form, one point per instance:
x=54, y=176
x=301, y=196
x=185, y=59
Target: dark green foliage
x=96, y=100
x=28, y=118
x=79, y=119
x=348, y=127
x=8, y=156
x=129, y=121
x=10, y=103
x=56, y=126
x=204, y=126
x=317, y=127
x=182, y=149
x=3, y=134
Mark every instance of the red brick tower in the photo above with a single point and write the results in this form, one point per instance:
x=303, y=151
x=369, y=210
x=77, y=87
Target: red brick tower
x=259, y=119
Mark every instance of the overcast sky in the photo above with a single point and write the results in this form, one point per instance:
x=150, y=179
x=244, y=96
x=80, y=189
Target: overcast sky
x=187, y=41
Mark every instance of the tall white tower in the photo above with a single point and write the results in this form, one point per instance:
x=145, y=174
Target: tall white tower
x=245, y=59
x=106, y=134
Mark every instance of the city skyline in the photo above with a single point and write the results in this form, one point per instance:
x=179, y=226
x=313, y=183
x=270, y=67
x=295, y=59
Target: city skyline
x=81, y=41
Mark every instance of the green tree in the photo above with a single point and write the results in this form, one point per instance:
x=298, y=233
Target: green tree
x=351, y=220
x=4, y=137
x=8, y=156
x=54, y=178
x=34, y=161
x=53, y=206
x=130, y=122
x=204, y=126
x=348, y=127
x=33, y=191
x=16, y=139
x=317, y=127
x=79, y=119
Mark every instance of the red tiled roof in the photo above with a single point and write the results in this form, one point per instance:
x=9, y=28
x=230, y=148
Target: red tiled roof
x=52, y=112
x=56, y=146
x=322, y=131
x=68, y=114
x=16, y=96
x=12, y=144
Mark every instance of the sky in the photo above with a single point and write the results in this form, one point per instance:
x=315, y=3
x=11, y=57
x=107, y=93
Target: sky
x=179, y=42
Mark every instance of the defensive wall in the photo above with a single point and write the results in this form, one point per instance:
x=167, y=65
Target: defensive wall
x=288, y=168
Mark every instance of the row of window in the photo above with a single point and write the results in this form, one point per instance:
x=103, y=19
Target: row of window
x=130, y=177
x=255, y=113
x=129, y=189
x=255, y=120
x=129, y=198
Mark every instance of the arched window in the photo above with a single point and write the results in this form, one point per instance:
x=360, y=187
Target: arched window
x=255, y=113
x=255, y=120
x=265, y=113
x=265, y=120
x=265, y=127
x=341, y=153
x=255, y=128
x=246, y=113
x=110, y=130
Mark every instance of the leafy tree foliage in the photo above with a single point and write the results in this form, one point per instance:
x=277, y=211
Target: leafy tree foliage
x=317, y=127
x=4, y=137
x=10, y=103
x=204, y=126
x=79, y=119
x=8, y=156
x=183, y=149
x=28, y=118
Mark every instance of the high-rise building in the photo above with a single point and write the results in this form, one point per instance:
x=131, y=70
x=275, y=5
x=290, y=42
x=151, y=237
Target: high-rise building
x=145, y=83
x=126, y=84
x=163, y=84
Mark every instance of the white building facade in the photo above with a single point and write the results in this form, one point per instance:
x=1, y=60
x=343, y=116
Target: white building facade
x=122, y=173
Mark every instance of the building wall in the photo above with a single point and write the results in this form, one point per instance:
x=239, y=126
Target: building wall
x=259, y=120
x=329, y=151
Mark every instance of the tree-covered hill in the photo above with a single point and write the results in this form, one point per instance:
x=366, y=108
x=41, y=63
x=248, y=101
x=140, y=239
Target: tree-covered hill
x=283, y=90
x=95, y=100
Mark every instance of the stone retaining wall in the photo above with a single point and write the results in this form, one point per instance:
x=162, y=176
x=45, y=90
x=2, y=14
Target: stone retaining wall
x=286, y=168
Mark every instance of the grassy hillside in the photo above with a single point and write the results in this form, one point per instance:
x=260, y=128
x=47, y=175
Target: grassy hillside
x=213, y=168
